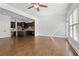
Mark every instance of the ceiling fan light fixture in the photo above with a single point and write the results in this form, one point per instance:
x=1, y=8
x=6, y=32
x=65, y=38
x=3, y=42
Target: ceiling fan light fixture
x=36, y=6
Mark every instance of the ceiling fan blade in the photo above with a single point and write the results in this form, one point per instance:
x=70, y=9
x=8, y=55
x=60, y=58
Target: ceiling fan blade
x=43, y=5
x=37, y=9
x=30, y=7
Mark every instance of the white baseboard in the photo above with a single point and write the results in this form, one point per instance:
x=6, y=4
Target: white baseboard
x=42, y=35
x=60, y=36
x=5, y=36
x=50, y=35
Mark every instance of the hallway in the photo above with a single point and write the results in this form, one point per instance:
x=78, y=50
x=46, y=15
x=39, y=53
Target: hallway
x=35, y=46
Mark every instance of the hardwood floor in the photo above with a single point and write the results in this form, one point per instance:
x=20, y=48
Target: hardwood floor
x=35, y=46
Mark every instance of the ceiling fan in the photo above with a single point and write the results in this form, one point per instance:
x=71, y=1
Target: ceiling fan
x=37, y=6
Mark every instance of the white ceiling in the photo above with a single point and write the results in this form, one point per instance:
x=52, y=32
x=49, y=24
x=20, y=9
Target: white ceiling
x=23, y=7
x=14, y=16
x=56, y=9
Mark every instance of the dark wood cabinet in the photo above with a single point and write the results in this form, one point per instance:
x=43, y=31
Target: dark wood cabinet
x=23, y=29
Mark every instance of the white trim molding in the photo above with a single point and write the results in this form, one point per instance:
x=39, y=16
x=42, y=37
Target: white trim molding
x=8, y=7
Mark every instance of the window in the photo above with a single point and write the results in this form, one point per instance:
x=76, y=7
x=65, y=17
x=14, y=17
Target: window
x=76, y=32
x=73, y=25
x=71, y=32
x=70, y=20
x=75, y=20
x=67, y=27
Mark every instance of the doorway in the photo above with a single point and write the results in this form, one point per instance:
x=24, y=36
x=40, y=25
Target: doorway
x=22, y=29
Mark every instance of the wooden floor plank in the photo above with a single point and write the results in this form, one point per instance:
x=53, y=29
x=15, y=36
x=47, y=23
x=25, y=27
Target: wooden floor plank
x=35, y=46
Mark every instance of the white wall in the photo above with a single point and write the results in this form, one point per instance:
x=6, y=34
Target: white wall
x=51, y=21
x=48, y=25
x=72, y=8
x=4, y=26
